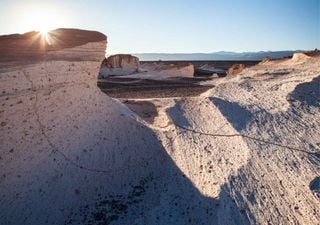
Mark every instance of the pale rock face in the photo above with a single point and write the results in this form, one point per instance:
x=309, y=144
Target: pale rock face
x=118, y=65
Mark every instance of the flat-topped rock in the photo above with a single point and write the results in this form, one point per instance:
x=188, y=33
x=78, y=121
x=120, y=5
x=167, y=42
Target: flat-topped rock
x=34, y=46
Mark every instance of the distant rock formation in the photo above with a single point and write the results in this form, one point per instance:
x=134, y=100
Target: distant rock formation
x=117, y=65
x=300, y=57
x=169, y=70
x=236, y=69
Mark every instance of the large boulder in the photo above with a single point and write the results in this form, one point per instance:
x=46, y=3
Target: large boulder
x=117, y=65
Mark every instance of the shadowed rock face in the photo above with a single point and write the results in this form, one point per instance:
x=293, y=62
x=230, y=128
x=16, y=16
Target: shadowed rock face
x=33, y=46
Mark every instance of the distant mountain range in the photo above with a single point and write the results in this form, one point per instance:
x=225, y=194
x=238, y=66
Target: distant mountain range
x=213, y=56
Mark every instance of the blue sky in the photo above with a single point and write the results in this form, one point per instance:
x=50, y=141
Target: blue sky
x=176, y=26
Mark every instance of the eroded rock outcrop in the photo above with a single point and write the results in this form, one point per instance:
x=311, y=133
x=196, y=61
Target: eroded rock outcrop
x=236, y=69
x=117, y=65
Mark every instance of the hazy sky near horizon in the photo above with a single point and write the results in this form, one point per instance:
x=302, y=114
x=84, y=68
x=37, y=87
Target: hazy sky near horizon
x=175, y=26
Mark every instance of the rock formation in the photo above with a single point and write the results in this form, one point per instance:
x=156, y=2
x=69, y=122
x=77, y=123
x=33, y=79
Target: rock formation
x=300, y=57
x=236, y=69
x=70, y=154
x=169, y=70
x=118, y=65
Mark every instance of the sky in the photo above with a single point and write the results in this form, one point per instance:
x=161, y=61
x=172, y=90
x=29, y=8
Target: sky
x=175, y=26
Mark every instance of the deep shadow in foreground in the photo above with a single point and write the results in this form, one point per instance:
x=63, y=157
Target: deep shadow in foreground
x=164, y=196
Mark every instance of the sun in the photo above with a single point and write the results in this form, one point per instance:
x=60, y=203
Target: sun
x=46, y=36
x=44, y=32
x=42, y=18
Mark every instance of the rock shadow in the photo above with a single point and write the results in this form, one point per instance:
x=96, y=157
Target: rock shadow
x=152, y=191
x=308, y=94
x=315, y=186
x=164, y=196
x=238, y=116
x=176, y=114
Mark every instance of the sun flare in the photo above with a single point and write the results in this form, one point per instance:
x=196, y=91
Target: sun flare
x=44, y=32
x=46, y=36
x=42, y=18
